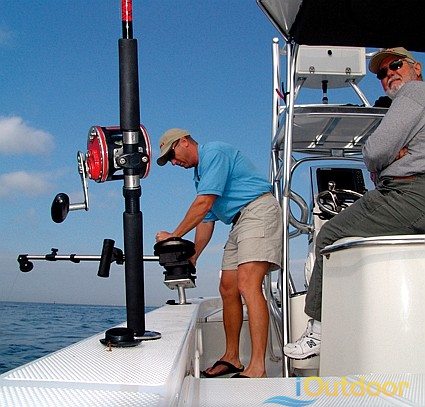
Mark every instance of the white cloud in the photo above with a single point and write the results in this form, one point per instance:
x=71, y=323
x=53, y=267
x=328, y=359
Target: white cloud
x=28, y=183
x=18, y=137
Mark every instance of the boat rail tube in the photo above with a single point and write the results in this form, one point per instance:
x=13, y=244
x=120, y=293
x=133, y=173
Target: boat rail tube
x=352, y=242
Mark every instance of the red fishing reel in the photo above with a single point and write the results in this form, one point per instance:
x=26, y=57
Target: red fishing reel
x=105, y=154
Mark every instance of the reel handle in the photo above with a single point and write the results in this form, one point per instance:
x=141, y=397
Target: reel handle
x=61, y=204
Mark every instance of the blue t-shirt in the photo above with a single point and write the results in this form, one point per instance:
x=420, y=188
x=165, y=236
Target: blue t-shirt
x=223, y=171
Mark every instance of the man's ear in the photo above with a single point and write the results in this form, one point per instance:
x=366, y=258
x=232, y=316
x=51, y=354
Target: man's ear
x=418, y=68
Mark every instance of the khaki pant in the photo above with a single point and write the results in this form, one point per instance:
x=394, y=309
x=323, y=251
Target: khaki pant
x=256, y=236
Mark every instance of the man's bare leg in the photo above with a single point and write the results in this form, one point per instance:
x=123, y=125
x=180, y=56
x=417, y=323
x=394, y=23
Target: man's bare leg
x=250, y=279
x=232, y=319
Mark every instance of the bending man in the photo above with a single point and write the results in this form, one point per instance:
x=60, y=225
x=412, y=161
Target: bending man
x=230, y=190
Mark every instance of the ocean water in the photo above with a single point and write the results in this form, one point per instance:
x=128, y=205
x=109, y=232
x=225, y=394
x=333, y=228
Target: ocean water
x=31, y=330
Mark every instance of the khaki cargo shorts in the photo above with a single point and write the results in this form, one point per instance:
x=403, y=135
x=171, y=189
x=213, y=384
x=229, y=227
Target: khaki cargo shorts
x=256, y=236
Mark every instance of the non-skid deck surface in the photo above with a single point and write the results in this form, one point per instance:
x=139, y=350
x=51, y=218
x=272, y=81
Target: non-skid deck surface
x=321, y=392
x=88, y=374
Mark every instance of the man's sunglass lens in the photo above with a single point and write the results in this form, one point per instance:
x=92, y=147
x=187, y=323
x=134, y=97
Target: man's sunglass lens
x=393, y=66
x=171, y=153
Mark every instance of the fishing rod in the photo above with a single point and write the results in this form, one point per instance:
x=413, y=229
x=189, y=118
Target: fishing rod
x=113, y=153
x=131, y=161
x=124, y=153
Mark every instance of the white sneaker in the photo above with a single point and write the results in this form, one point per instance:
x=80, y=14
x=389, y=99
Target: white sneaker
x=307, y=346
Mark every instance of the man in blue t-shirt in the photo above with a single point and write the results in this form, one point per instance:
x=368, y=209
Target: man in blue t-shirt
x=229, y=189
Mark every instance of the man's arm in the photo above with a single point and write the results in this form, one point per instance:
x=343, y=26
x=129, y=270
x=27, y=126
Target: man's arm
x=203, y=234
x=395, y=131
x=194, y=216
x=401, y=154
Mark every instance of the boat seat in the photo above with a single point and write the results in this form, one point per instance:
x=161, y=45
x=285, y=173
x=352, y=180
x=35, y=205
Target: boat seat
x=372, y=305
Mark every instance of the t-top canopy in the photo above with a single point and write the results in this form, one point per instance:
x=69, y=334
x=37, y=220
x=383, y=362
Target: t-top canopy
x=360, y=23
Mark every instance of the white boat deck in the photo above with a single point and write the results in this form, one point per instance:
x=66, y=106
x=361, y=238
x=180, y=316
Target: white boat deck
x=163, y=373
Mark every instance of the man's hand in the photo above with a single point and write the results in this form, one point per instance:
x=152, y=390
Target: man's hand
x=162, y=235
x=402, y=153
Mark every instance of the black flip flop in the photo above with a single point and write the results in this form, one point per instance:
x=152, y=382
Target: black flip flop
x=230, y=368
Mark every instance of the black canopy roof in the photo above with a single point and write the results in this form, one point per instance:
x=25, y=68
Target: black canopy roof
x=361, y=23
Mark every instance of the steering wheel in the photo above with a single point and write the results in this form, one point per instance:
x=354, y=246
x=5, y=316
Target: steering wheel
x=331, y=201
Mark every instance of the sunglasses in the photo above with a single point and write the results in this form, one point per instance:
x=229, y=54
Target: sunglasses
x=393, y=66
x=171, y=154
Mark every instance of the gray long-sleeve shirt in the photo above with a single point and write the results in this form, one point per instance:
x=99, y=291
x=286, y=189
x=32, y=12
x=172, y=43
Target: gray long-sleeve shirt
x=402, y=126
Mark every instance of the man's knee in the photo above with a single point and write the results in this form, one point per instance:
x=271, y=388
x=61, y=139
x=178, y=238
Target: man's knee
x=250, y=277
x=329, y=233
x=324, y=237
x=228, y=287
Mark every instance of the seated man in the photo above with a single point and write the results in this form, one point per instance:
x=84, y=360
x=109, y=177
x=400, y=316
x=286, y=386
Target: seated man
x=395, y=156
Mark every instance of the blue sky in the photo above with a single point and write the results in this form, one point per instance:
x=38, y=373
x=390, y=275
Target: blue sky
x=204, y=66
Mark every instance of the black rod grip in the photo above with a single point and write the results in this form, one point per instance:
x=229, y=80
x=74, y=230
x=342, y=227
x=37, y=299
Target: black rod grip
x=129, y=85
x=134, y=272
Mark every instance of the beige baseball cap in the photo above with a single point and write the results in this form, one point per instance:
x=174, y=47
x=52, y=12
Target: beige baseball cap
x=167, y=140
x=377, y=58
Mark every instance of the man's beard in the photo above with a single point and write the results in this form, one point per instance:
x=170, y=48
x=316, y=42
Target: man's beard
x=392, y=92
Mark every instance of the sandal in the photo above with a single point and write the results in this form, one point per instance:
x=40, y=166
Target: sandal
x=230, y=368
